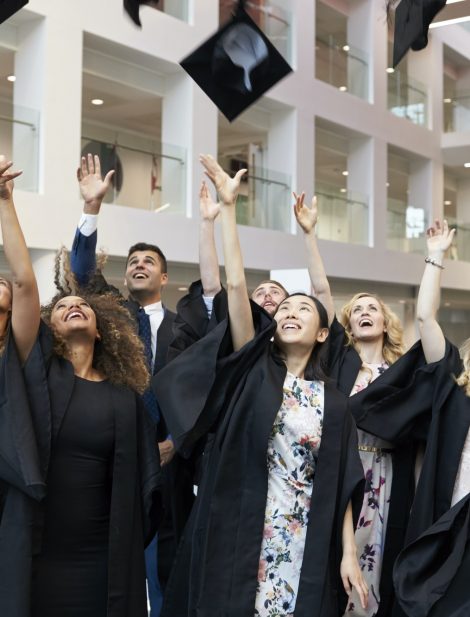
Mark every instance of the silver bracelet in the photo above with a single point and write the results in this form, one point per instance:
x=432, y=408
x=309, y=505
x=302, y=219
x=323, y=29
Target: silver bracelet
x=433, y=262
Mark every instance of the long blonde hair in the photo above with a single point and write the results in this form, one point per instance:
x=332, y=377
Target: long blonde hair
x=463, y=379
x=393, y=346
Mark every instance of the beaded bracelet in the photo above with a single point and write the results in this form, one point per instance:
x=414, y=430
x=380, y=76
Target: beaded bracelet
x=433, y=262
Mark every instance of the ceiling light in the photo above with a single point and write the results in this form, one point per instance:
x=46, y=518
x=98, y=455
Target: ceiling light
x=402, y=301
x=390, y=69
x=161, y=208
x=446, y=303
x=343, y=88
x=346, y=173
x=182, y=289
x=342, y=190
x=447, y=202
x=346, y=48
x=11, y=78
x=387, y=184
x=466, y=165
x=97, y=101
x=447, y=100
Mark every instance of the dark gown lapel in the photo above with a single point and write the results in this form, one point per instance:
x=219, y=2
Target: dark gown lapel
x=164, y=338
x=61, y=383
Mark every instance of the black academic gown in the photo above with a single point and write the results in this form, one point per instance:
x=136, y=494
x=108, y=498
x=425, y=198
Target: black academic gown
x=33, y=405
x=345, y=364
x=235, y=398
x=432, y=574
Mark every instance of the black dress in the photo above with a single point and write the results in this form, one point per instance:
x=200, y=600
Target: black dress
x=70, y=574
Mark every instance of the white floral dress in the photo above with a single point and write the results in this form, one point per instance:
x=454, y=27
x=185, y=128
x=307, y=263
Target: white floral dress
x=376, y=459
x=292, y=457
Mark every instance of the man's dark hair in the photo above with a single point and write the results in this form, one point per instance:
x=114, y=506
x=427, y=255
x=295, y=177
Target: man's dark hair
x=143, y=246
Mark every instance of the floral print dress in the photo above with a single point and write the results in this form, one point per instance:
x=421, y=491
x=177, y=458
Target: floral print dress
x=376, y=457
x=292, y=456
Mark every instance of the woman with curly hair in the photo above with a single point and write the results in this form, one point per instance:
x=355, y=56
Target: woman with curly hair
x=76, y=449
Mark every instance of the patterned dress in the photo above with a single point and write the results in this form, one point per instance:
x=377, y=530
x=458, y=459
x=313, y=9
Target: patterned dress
x=376, y=459
x=292, y=457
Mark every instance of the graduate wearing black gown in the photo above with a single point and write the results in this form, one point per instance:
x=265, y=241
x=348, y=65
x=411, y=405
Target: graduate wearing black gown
x=229, y=385
x=76, y=452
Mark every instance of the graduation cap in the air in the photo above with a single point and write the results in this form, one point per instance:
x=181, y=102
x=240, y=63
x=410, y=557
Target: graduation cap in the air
x=9, y=7
x=412, y=21
x=236, y=65
x=133, y=7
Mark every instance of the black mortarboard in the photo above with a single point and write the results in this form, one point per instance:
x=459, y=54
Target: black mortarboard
x=133, y=7
x=236, y=65
x=9, y=7
x=412, y=21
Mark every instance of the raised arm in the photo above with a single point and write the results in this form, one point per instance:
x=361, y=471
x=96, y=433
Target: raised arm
x=25, y=314
x=307, y=219
x=439, y=239
x=208, y=261
x=241, y=320
x=93, y=189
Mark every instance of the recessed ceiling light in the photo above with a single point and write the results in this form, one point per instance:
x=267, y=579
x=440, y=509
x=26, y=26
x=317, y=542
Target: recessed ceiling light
x=446, y=303
x=447, y=100
x=182, y=289
x=447, y=202
x=346, y=48
x=342, y=190
x=390, y=69
x=345, y=173
x=387, y=184
x=402, y=301
x=11, y=77
x=466, y=165
x=343, y=88
x=97, y=101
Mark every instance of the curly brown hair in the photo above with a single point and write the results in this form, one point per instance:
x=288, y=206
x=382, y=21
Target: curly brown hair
x=119, y=354
x=463, y=379
x=393, y=346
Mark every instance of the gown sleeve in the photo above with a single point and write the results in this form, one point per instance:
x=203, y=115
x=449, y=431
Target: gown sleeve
x=399, y=404
x=192, y=388
x=24, y=434
x=192, y=321
x=431, y=574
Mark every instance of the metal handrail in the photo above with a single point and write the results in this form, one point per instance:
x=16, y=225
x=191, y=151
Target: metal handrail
x=15, y=121
x=138, y=150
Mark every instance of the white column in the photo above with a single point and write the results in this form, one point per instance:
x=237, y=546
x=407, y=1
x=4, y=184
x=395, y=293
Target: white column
x=43, y=265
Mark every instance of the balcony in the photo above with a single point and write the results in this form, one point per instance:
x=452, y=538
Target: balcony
x=343, y=216
x=407, y=98
x=343, y=66
x=406, y=227
x=457, y=113
x=149, y=176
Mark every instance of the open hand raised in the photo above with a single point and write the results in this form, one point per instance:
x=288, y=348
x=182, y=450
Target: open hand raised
x=92, y=186
x=306, y=217
x=208, y=208
x=439, y=237
x=226, y=187
x=6, y=178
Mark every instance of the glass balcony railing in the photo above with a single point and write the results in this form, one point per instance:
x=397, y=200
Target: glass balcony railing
x=269, y=15
x=406, y=227
x=457, y=112
x=265, y=200
x=460, y=249
x=342, y=66
x=175, y=8
x=407, y=98
x=148, y=176
x=19, y=139
x=342, y=217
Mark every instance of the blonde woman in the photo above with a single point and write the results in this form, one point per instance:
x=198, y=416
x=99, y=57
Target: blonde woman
x=364, y=344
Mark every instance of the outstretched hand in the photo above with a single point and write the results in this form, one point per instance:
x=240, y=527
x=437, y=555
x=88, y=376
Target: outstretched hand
x=306, y=217
x=226, y=187
x=439, y=237
x=92, y=186
x=208, y=208
x=6, y=178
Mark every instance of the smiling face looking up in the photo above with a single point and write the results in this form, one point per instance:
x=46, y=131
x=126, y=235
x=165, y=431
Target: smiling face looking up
x=73, y=317
x=367, y=320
